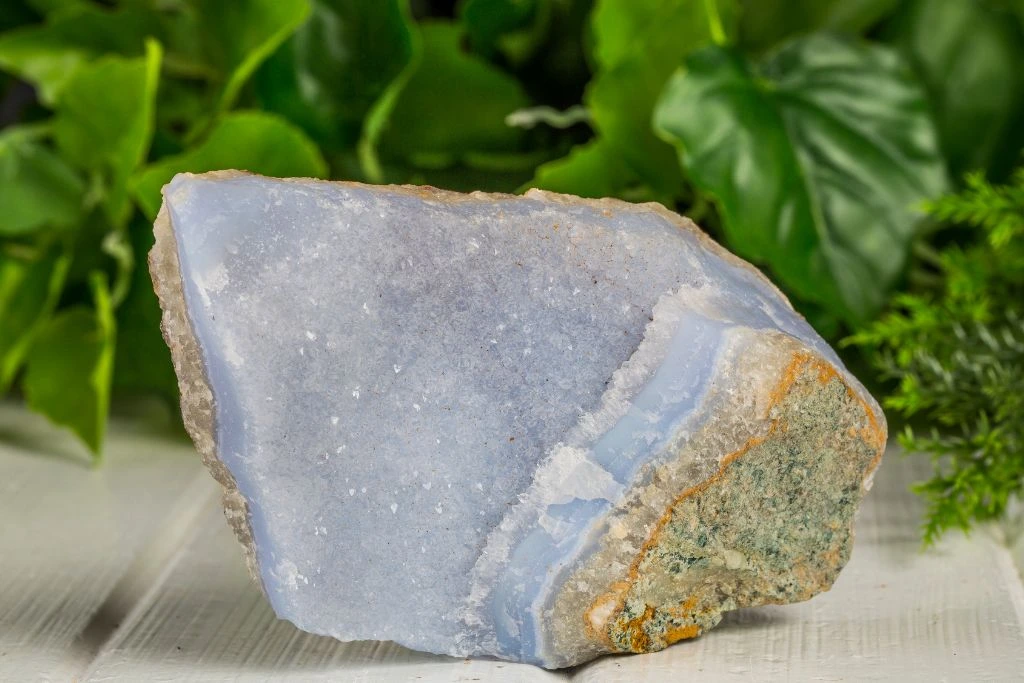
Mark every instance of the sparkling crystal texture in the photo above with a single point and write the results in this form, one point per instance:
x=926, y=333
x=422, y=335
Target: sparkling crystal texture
x=538, y=428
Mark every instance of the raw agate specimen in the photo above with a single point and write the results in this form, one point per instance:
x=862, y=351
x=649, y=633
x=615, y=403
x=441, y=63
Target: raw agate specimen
x=540, y=428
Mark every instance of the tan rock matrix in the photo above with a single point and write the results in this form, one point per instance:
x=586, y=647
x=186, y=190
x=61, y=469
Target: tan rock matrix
x=540, y=428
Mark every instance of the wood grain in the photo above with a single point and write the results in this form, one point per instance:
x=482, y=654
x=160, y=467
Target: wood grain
x=130, y=573
x=75, y=541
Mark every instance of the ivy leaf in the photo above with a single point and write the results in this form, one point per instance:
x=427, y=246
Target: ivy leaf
x=29, y=290
x=104, y=120
x=37, y=188
x=637, y=46
x=454, y=102
x=449, y=106
x=816, y=159
x=48, y=55
x=251, y=141
x=328, y=75
x=69, y=368
x=971, y=60
x=241, y=34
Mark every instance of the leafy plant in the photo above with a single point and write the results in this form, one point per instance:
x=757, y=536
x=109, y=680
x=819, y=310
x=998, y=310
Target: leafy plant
x=804, y=136
x=815, y=159
x=956, y=348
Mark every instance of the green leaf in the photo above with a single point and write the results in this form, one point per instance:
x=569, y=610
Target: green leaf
x=451, y=106
x=251, y=141
x=29, y=291
x=143, y=362
x=971, y=59
x=69, y=368
x=454, y=103
x=637, y=46
x=816, y=160
x=104, y=121
x=48, y=55
x=241, y=34
x=328, y=75
x=765, y=23
x=594, y=169
x=37, y=188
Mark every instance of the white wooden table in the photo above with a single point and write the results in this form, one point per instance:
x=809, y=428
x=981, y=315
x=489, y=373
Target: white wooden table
x=129, y=572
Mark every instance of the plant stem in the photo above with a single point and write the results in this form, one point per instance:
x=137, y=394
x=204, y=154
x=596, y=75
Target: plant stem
x=714, y=22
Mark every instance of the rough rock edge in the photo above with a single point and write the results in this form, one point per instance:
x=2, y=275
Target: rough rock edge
x=198, y=410
x=607, y=577
x=197, y=404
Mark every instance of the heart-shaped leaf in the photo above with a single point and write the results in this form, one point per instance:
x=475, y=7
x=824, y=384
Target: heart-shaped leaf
x=818, y=161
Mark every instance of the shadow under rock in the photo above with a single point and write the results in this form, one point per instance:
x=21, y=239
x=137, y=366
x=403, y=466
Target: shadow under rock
x=33, y=436
x=761, y=618
x=240, y=632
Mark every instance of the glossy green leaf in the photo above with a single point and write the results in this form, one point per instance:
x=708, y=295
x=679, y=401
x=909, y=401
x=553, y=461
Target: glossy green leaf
x=817, y=161
x=637, y=46
x=37, y=187
x=29, y=290
x=48, y=55
x=249, y=141
x=766, y=23
x=329, y=74
x=450, y=106
x=240, y=34
x=971, y=59
x=69, y=368
x=104, y=120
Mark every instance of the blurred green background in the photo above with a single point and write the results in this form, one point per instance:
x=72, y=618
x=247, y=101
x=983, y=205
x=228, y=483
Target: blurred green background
x=861, y=152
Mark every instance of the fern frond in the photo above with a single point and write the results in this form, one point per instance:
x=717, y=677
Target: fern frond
x=956, y=353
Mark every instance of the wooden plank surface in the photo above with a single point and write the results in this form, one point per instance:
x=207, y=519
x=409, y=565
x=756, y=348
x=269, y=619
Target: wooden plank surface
x=75, y=541
x=130, y=573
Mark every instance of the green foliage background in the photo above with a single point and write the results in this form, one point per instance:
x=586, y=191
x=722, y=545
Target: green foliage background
x=809, y=136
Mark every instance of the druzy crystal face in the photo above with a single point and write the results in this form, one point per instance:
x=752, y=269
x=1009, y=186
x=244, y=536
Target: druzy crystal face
x=539, y=428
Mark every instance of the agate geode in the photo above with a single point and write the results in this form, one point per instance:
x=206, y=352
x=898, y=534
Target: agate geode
x=541, y=428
